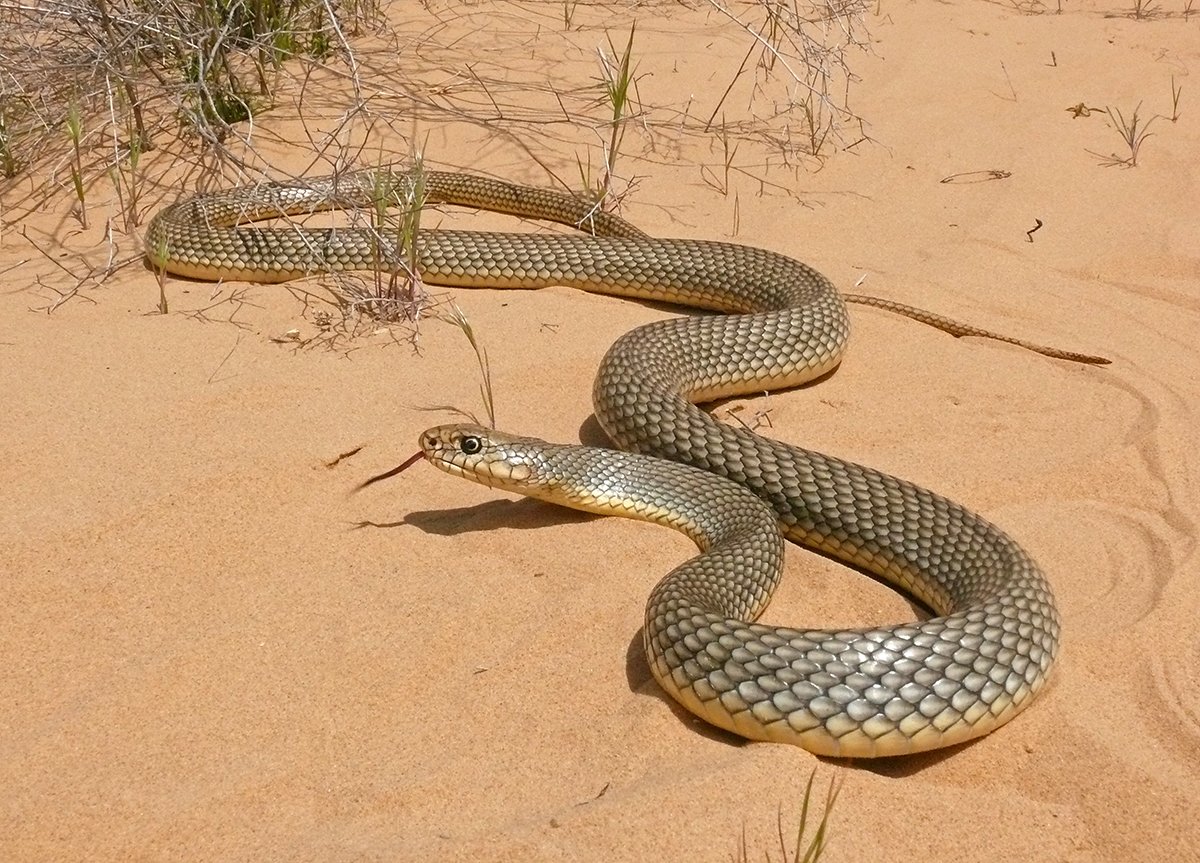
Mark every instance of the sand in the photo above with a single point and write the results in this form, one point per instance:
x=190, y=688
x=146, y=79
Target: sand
x=207, y=656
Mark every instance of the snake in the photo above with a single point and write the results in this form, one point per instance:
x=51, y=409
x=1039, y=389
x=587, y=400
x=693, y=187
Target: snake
x=978, y=659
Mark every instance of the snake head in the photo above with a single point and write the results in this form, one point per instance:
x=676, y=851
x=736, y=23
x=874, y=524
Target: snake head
x=493, y=458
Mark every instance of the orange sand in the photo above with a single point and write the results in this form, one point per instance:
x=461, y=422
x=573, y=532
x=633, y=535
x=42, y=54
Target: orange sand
x=204, y=659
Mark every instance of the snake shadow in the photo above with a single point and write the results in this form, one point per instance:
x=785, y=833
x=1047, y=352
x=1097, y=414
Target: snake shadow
x=523, y=514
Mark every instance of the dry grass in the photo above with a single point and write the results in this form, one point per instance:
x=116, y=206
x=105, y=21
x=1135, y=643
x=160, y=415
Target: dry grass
x=102, y=82
x=804, y=848
x=1134, y=130
x=116, y=105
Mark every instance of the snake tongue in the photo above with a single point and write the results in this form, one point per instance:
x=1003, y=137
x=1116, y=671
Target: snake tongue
x=405, y=465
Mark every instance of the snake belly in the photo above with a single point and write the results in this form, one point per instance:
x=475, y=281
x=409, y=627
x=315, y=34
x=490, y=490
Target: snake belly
x=873, y=691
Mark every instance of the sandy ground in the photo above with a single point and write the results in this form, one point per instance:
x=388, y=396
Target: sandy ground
x=204, y=657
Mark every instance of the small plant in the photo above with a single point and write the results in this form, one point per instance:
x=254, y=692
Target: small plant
x=397, y=200
x=617, y=73
x=410, y=214
x=1144, y=9
x=800, y=852
x=1133, y=131
x=1176, y=90
x=460, y=320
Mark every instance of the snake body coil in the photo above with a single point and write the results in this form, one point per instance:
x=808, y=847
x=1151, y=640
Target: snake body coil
x=857, y=692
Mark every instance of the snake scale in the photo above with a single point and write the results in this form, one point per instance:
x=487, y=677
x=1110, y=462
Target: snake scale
x=874, y=691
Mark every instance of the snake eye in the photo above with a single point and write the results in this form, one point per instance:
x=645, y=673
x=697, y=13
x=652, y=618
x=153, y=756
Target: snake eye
x=470, y=445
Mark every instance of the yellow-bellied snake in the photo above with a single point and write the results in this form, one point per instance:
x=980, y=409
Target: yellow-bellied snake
x=860, y=692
